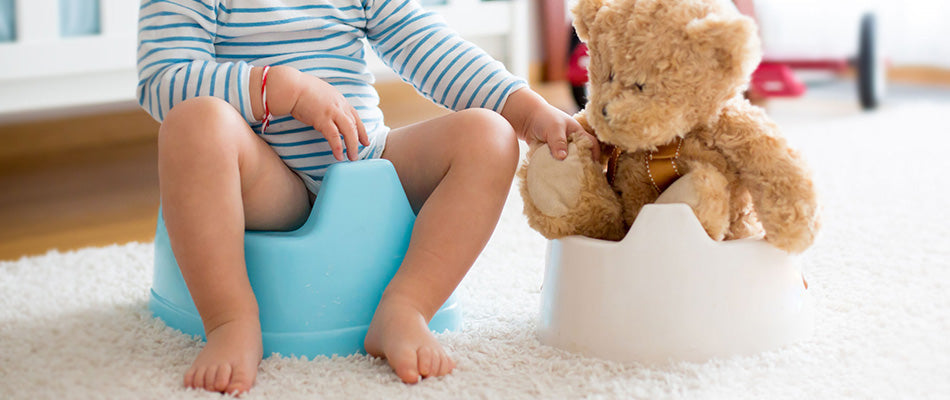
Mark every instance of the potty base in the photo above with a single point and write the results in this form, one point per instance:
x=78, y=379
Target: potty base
x=341, y=341
x=667, y=292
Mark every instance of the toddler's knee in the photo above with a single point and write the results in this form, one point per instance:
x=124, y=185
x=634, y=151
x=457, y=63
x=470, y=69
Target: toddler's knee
x=492, y=137
x=198, y=121
x=199, y=111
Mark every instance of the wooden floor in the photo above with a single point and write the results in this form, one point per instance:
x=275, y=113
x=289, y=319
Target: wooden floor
x=77, y=194
x=86, y=198
x=92, y=181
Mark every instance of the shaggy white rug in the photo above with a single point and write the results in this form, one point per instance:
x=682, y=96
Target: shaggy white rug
x=75, y=325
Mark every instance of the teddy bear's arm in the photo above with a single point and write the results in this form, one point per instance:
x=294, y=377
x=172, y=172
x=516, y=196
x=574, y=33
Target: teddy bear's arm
x=776, y=176
x=570, y=196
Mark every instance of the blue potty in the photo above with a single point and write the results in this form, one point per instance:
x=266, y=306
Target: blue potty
x=317, y=287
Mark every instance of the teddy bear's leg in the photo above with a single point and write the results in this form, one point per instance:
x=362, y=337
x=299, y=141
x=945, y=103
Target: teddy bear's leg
x=706, y=191
x=634, y=185
x=569, y=197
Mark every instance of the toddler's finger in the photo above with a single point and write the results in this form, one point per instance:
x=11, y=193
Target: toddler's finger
x=364, y=138
x=350, y=136
x=332, y=135
x=557, y=142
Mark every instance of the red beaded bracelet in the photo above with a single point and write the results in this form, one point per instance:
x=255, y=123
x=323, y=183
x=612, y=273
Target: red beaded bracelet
x=267, y=116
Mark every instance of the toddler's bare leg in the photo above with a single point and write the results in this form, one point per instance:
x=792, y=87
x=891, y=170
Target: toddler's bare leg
x=457, y=171
x=216, y=178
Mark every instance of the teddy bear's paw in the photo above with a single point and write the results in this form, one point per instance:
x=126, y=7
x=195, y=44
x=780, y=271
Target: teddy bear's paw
x=555, y=186
x=789, y=244
x=793, y=238
x=790, y=224
x=585, y=146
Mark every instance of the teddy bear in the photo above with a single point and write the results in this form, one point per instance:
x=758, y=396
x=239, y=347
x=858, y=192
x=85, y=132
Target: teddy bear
x=666, y=105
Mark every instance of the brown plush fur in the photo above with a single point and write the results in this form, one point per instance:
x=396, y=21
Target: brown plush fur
x=602, y=213
x=661, y=69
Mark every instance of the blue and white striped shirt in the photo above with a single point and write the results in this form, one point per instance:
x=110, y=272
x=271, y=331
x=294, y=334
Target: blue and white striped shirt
x=190, y=48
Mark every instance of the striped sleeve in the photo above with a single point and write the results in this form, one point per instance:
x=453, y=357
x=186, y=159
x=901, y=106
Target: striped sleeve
x=176, y=58
x=425, y=52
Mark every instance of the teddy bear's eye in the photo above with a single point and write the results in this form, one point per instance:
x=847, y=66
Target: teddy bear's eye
x=639, y=86
x=610, y=76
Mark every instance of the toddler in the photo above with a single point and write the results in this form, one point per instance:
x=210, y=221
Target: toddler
x=258, y=97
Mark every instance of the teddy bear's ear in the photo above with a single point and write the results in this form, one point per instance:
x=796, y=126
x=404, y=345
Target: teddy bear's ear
x=585, y=11
x=732, y=39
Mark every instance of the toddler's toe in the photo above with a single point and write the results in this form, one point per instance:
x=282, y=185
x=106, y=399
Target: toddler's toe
x=447, y=364
x=426, y=365
x=199, y=381
x=241, y=381
x=210, y=375
x=222, y=378
x=405, y=365
x=190, y=377
x=434, y=360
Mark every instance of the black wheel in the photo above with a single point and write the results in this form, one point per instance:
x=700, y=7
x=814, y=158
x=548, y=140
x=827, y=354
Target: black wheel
x=580, y=95
x=870, y=64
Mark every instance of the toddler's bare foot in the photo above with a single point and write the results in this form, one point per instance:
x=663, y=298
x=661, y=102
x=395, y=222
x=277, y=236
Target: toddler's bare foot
x=228, y=362
x=399, y=333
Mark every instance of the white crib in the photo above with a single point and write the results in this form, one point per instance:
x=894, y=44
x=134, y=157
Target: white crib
x=40, y=70
x=43, y=72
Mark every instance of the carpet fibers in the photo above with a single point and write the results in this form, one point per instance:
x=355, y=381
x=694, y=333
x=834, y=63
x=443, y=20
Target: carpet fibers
x=75, y=325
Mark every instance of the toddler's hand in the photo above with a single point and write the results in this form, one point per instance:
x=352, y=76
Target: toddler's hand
x=536, y=121
x=320, y=105
x=550, y=125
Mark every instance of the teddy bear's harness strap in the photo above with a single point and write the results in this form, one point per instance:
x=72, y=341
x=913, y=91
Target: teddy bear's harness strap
x=661, y=165
x=614, y=156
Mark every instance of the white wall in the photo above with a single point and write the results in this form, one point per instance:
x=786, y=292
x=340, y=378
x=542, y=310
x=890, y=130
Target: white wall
x=917, y=32
x=913, y=32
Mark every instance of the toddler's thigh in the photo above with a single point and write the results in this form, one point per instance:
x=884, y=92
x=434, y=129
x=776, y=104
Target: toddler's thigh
x=275, y=198
x=207, y=135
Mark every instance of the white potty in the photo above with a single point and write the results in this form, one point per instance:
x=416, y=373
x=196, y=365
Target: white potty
x=667, y=292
